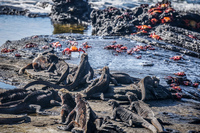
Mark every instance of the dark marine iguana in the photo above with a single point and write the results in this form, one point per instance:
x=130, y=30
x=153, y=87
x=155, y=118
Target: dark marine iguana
x=14, y=95
x=84, y=117
x=151, y=89
x=82, y=75
x=32, y=103
x=129, y=117
x=124, y=78
x=68, y=104
x=14, y=120
x=100, y=84
x=42, y=62
x=143, y=110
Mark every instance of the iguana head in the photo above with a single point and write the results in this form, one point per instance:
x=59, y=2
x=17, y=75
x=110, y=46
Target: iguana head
x=78, y=97
x=84, y=56
x=131, y=96
x=66, y=97
x=113, y=103
x=105, y=69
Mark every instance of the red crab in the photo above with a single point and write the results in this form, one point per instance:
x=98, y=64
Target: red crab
x=118, y=46
x=177, y=88
x=123, y=48
x=157, y=37
x=155, y=12
x=34, y=37
x=154, y=9
x=110, y=47
x=5, y=50
x=187, y=83
x=154, y=21
x=18, y=55
x=174, y=84
x=114, y=42
x=166, y=20
x=45, y=47
x=30, y=45
x=178, y=96
x=73, y=43
x=72, y=49
x=195, y=85
x=130, y=51
x=138, y=57
x=169, y=10
x=56, y=44
x=143, y=27
x=191, y=36
x=177, y=57
x=86, y=46
x=140, y=32
x=180, y=74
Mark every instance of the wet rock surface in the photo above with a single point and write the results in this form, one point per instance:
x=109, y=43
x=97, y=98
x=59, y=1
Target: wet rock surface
x=182, y=115
x=160, y=22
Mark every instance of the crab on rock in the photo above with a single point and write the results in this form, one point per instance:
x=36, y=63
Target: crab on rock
x=72, y=49
x=157, y=37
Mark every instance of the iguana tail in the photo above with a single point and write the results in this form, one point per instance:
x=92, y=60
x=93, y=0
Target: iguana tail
x=43, y=83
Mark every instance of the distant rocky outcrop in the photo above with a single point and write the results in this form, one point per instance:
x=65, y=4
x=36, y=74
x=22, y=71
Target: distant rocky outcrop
x=67, y=11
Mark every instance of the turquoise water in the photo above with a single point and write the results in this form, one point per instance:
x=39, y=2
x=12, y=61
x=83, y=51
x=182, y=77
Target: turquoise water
x=17, y=27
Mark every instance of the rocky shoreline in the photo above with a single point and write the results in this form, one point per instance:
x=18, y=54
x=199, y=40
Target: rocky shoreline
x=166, y=52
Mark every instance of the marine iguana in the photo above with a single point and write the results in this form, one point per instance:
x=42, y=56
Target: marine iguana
x=100, y=84
x=124, y=78
x=14, y=120
x=42, y=62
x=82, y=75
x=143, y=110
x=32, y=103
x=129, y=117
x=68, y=104
x=14, y=95
x=151, y=89
x=84, y=117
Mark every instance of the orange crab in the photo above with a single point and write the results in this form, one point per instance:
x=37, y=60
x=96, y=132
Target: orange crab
x=163, y=5
x=155, y=36
x=177, y=57
x=156, y=11
x=180, y=74
x=166, y=20
x=154, y=21
x=143, y=27
x=72, y=49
